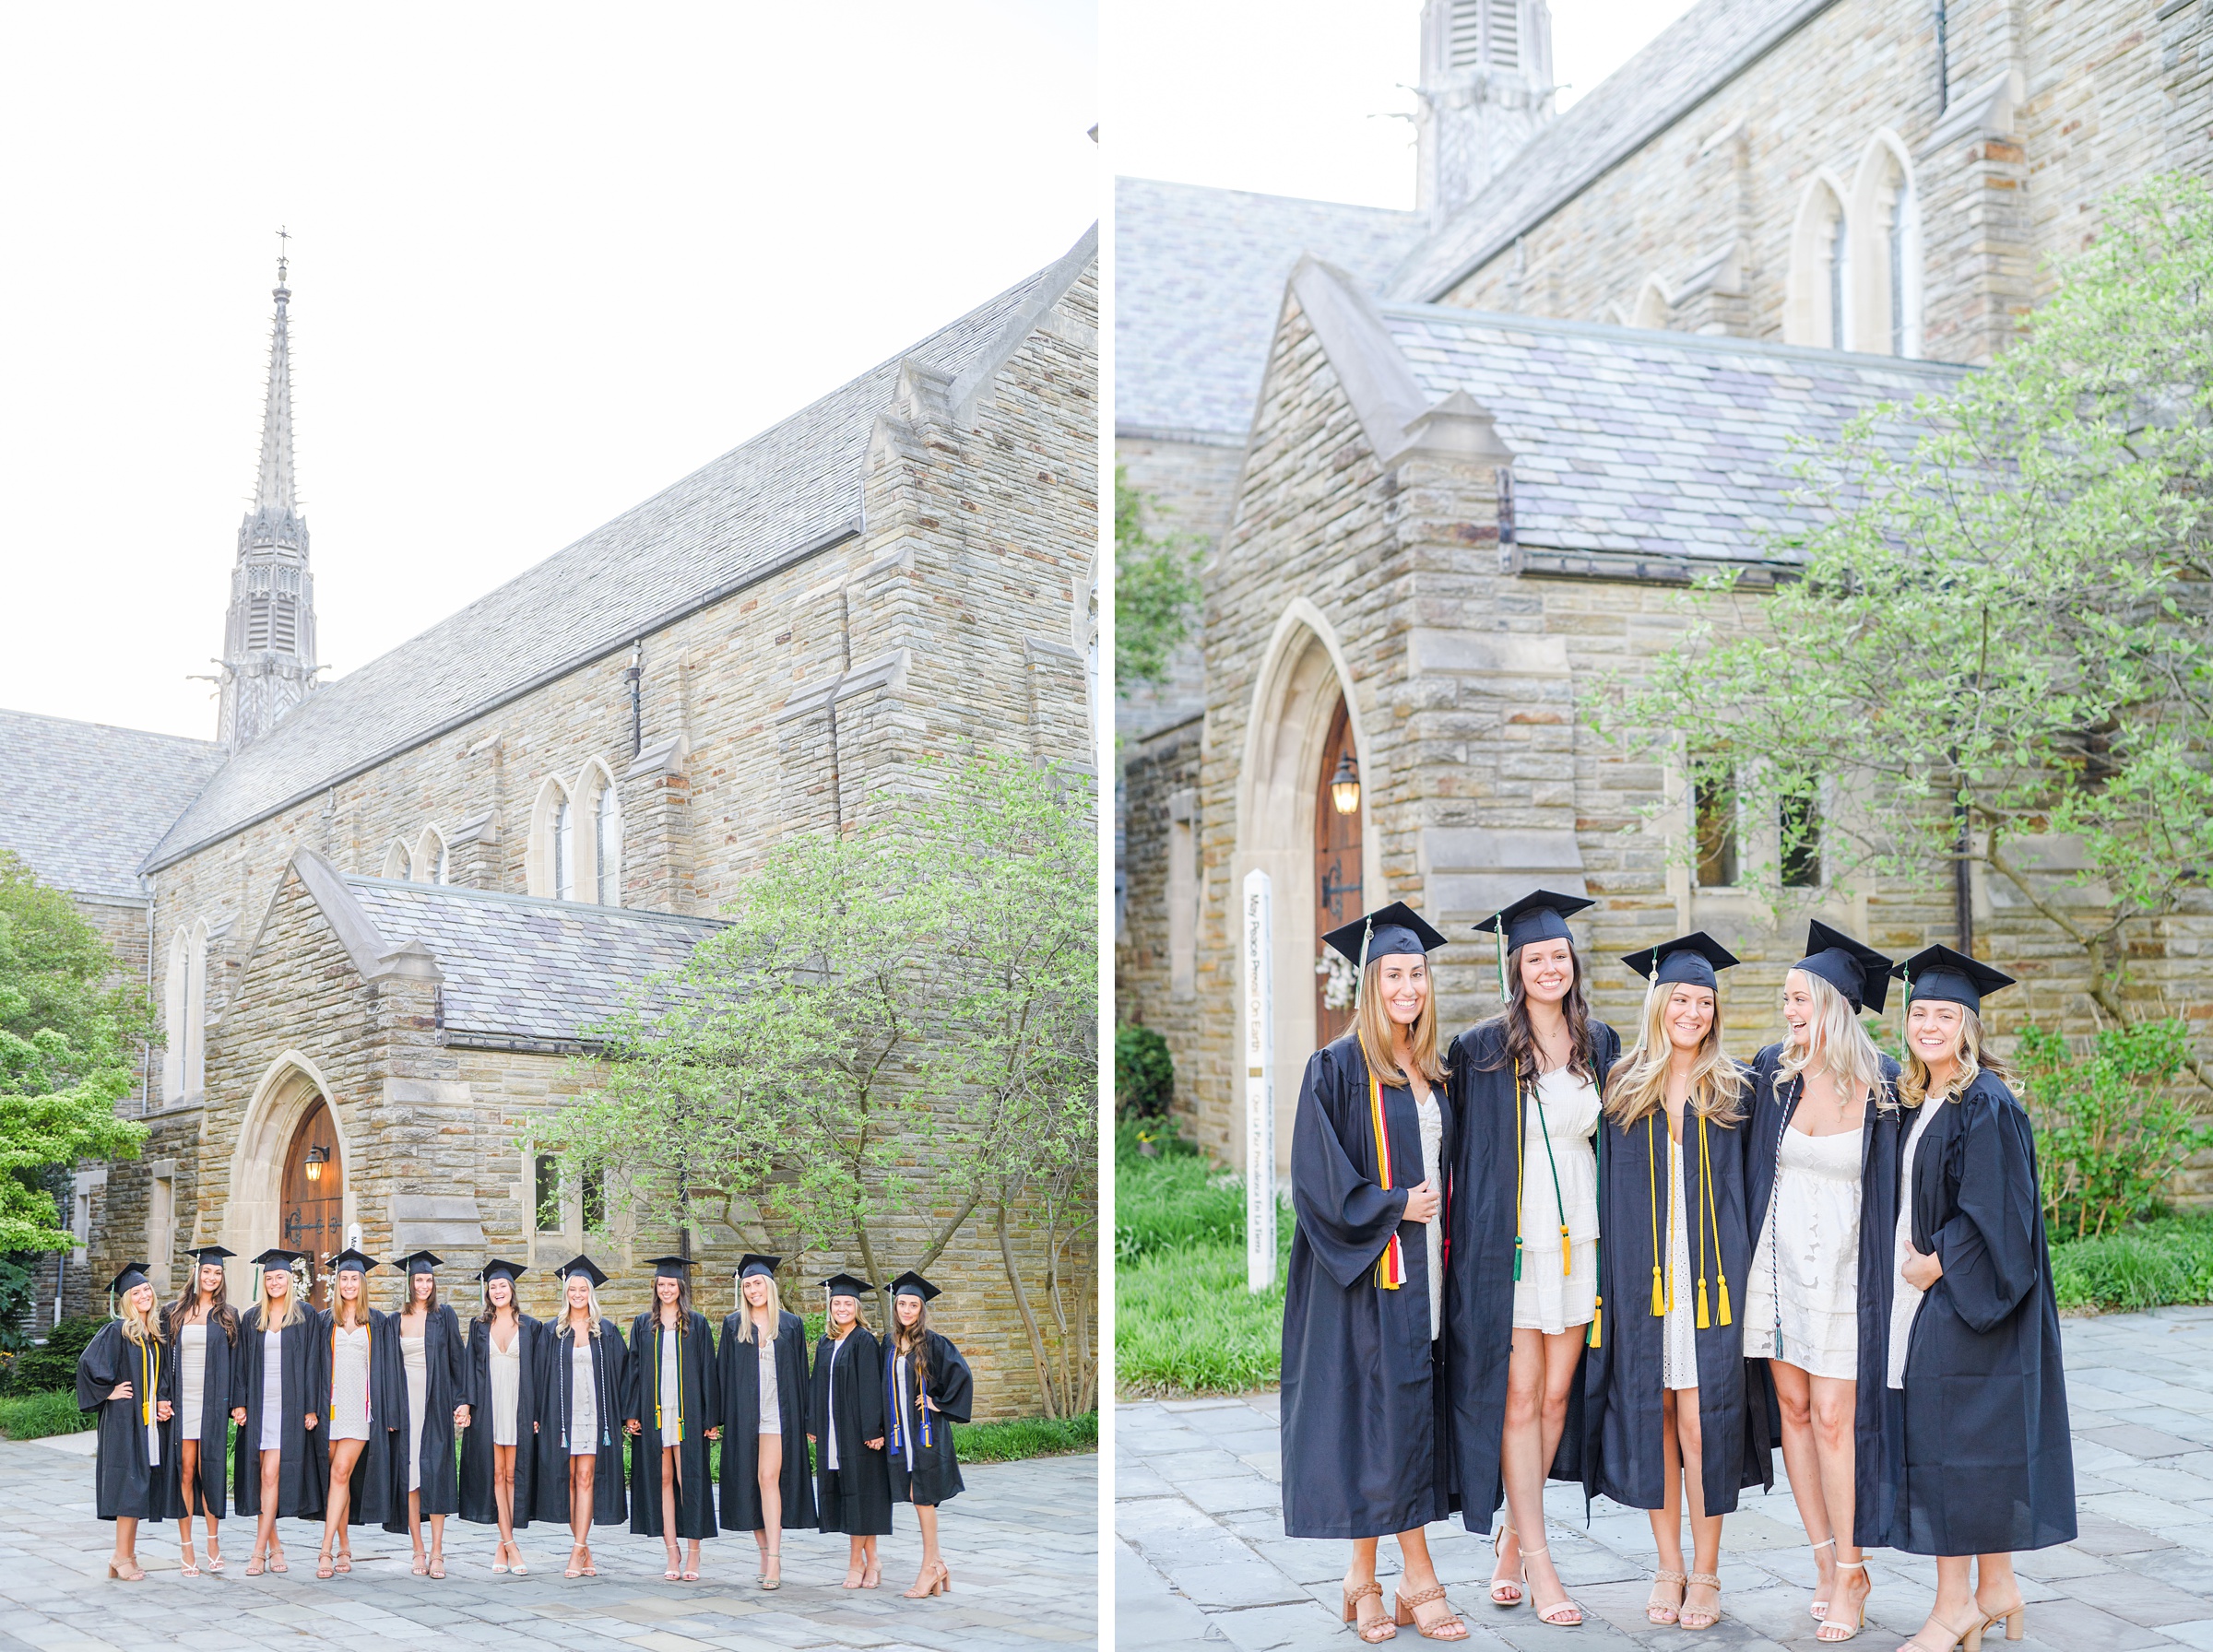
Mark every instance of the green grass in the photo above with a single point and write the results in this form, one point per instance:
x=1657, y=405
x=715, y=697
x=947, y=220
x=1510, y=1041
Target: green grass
x=2148, y=1264
x=34, y=1416
x=1025, y=1437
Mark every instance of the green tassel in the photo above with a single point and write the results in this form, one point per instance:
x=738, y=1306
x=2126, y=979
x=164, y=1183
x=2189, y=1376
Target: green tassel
x=1517, y=1258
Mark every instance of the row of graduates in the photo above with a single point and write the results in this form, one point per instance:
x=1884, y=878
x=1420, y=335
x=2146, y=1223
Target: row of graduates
x=350, y=1416
x=1531, y=1256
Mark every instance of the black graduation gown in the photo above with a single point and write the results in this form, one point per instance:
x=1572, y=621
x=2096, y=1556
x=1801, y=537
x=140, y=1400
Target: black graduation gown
x=445, y=1378
x=219, y=1381
x=302, y=1463
x=610, y=1392
x=480, y=1501
x=1984, y=1463
x=856, y=1496
x=1365, y=1449
x=369, y=1486
x=1479, y=1272
x=738, y=1364
x=699, y=1396
x=1625, y=1416
x=924, y=1470
x=1881, y=1140
x=125, y=1483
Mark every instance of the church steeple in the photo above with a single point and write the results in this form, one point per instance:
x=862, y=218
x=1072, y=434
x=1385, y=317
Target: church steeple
x=269, y=638
x=1486, y=86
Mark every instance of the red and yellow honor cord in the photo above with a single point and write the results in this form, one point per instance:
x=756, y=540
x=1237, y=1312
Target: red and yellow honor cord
x=1390, y=1266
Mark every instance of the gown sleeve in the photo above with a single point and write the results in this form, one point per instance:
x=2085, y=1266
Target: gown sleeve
x=710, y=1368
x=95, y=1372
x=952, y=1385
x=458, y=1366
x=1346, y=1219
x=1989, y=1249
x=866, y=1374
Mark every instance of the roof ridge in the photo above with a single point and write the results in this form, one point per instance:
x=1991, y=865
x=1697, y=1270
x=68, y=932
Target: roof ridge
x=151, y=733
x=1268, y=195
x=462, y=892
x=1724, y=343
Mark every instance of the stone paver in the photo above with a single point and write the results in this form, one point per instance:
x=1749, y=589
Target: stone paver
x=1022, y=1542
x=1200, y=1559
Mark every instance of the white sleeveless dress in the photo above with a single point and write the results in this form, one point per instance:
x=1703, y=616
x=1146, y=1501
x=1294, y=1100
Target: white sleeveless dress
x=1806, y=1268
x=1549, y=1297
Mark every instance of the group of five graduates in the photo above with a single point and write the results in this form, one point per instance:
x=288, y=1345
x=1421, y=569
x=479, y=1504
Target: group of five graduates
x=1529, y=1255
x=349, y=1415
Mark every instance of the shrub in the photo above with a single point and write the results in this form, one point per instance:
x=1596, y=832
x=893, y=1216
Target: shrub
x=2111, y=1128
x=34, y=1416
x=1177, y=1199
x=53, y=1366
x=1145, y=1073
x=1185, y=1324
x=1025, y=1437
x=2149, y=1264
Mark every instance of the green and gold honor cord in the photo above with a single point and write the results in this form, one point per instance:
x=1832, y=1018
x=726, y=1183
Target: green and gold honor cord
x=1559, y=1204
x=680, y=1380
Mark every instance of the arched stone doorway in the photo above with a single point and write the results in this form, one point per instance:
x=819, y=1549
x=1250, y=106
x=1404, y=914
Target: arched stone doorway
x=312, y=1215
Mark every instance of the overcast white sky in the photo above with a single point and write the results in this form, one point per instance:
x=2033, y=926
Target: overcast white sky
x=1293, y=96
x=547, y=259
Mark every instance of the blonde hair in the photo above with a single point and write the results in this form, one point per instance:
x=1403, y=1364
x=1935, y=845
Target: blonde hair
x=1639, y=1082
x=775, y=1311
x=360, y=1303
x=1973, y=1061
x=293, y=1312
x=592, y=1296
x=136, y=1326
x=1835, y=1036
x=1377, y=1030
x=858, y=1323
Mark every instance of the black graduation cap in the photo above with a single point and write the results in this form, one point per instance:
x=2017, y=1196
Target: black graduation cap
x=1694, y=959
x=752, y=1262
x=671, y=1268
x=1390, y=930
x=277, y=1257
x=204, y=1254
x=132, y=1276
x=911, y=1283
x=1950, y=977
x=1539, y=915
x=847, y=1284
x=584, y=1266
x=354, y=1260
x=421, y=1262
x=497, y=1270
x=1861, y=974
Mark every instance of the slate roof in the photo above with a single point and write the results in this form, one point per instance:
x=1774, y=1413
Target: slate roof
x=1683, y=66
x=792, y=488
x=1198, y=281
x=524, y=972
x=1631, y=438
x=83, y=802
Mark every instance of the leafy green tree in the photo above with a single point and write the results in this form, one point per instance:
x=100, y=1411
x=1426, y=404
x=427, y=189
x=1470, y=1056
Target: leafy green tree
x=2110, y=1131
x=1155, y=590
x=1994, y=646
x=69, y=1044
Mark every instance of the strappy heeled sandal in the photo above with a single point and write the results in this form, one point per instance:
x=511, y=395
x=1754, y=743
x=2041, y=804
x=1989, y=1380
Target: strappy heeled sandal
x=190, y=1567
x=874, y=1576
x=853, y=1576
x=1711, y=1580
x=935, y=1580
x=2015, y=1618
x=322, y=1565
x=126, y=1570
x=420, y=1564
x=256, y=1565
x=575, y=1570
x=1565, y=1603
x=1380, y=1628
x=1505, y=1592
x=1835, y=1621
x=499, y=1557
x=1659, y=1612
x=277, y=1561
x=1451, y=1627
x=1969, y=1634
x=215, y=1558
x=437, y=1568
x=517, y=1567
x=690, y=1573
x=772, y=1558
x=589, y=1569
x=344, y=1559
x=1820, y=1608
x=671, y=1571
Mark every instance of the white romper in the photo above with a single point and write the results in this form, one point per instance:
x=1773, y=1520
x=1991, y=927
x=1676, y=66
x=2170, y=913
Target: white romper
x=192, y=1378
x=772, y=1419
x=350, y=1383
x=506, y=1386
x=583, y=1405
x=272, y=1389
x=1548, y=1298
x=419, y=1394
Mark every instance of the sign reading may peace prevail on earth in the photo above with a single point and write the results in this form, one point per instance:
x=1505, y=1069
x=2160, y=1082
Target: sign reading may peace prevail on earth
x=1259, y=1090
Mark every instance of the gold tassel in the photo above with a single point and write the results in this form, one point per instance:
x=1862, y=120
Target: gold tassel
x=1566, y=1256
x=1703, y=1322
x=1598, y=1314
x=1725, y=1299
x=1659, y=1296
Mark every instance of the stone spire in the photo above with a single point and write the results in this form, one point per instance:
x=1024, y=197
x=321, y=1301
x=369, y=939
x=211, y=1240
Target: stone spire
x=1486, y=86
x=269, y=637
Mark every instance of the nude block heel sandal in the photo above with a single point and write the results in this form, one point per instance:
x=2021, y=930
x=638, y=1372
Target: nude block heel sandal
x=1373, y=1633
x=1451, y=1627
x=1655, y=1611
x=1706, y=1620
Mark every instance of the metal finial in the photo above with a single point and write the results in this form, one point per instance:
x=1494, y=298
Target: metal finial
x=284, y=237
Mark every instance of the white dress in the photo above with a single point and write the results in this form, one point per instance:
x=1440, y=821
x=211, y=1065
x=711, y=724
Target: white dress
x=672, y=1370
x=1805, y=1266
x=1433, y=1231
x=583, y=1405
x=506, y=1387
x=830, y=1408
x=1546, y=1297
x=1905, y=1298
x=418, y=1395
x=192, y=1377
x=1679, y=1334
x=772, y=1419
x=350, y=1383
x=272, y=1390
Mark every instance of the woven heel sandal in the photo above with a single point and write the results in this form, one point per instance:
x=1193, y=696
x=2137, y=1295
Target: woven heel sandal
x=1705, y=1619
x=1380, y=1628
x=1451, y=1627
x=1659, y=1612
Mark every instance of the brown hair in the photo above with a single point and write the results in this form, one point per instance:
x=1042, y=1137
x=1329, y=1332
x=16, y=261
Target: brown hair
x=1521, y=1042
x=1377, y=1030
x=337, y=1302
x=683, y=1300
x=514, y=1302
x=430, y=1302
x=910, y=1340
x=219, y=1312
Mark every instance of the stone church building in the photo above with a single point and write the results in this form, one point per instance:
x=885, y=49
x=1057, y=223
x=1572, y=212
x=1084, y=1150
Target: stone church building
x=1450, y=466
x=381, y=913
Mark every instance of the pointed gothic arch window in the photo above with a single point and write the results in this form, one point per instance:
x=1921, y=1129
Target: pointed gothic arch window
x=173, y=986
x=430, y=858
x=607, y=835
x=1886, y=263
x=1818, y=303
x=398, y=863
x=542, y=861
x=565, y=847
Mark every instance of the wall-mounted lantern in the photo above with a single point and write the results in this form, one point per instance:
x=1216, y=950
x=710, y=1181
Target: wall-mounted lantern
x=1345, y=785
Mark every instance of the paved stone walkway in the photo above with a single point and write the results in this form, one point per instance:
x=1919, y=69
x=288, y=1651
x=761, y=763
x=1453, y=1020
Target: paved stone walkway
x=1022, y=1542
x=1200, y=1559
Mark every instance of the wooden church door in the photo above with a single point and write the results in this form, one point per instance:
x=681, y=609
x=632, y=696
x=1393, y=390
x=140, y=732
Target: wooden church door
x=313, y=1216
x=1337, y=882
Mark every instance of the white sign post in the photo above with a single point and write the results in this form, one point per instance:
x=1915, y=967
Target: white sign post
x=1260, y=1087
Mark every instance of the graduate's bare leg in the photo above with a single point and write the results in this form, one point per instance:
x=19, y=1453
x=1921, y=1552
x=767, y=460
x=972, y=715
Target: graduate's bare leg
x=1368, y=1610
x=124, y=1563
x=188, y=1487
x=1998, y=1590
x=1954, y=1614
x=1702, y=1600
x=437, y=1537
x=933, y=1576
x=1665, y=1603
x=676, y=1567
x=1802, y=1462
x=502, y=1498
x=339, y=1502
x=421, y=1563
x=857, y=1561
x=1539, y=1374
x=768, y=1474
x=581, y=1472
x=1833, y=1411
x=265, y=1523
x=1417, y=1579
